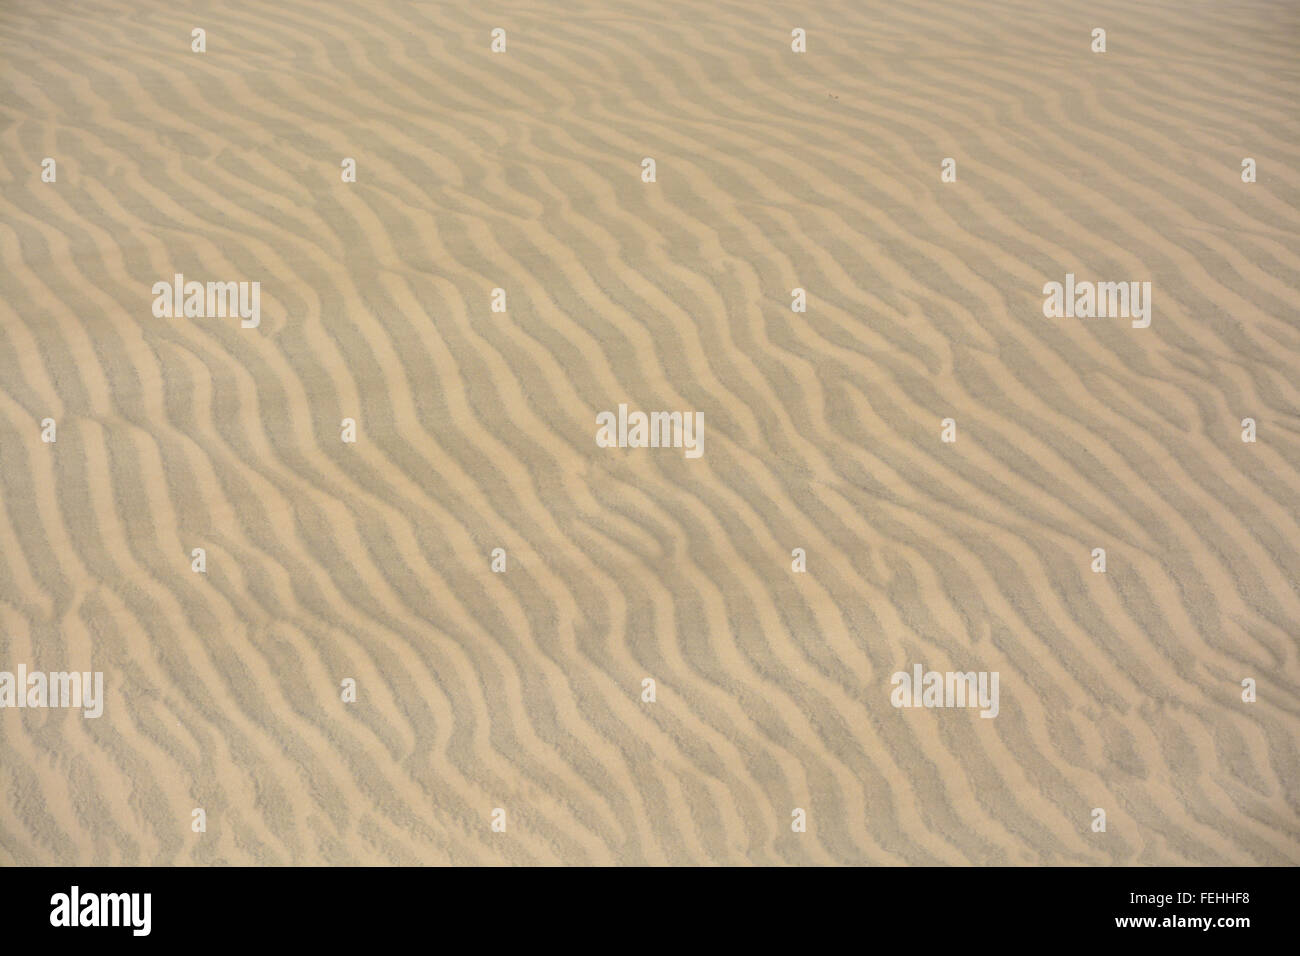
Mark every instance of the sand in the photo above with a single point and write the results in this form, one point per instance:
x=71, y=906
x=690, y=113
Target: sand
x=521, y=690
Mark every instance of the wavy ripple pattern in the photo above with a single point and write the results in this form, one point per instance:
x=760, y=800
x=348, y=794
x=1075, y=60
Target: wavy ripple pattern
x=476, y=429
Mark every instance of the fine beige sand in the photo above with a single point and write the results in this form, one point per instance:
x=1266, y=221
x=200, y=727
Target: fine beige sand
x=476, y=430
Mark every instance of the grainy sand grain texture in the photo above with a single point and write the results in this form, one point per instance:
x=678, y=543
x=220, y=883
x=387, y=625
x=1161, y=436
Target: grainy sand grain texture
x=476, y=430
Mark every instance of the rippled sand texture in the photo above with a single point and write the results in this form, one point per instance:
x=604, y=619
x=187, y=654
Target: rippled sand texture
x=476, y=430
